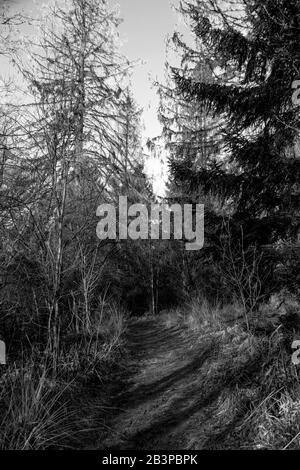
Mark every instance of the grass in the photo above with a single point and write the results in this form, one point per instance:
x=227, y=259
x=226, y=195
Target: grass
x=236, y=386
x=42, y=410
x=262, y=410
x=32, y=414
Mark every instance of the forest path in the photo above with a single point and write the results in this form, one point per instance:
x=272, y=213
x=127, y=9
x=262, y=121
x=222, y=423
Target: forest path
x=169, y=396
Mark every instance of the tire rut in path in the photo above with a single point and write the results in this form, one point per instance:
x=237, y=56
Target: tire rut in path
x=164, y=397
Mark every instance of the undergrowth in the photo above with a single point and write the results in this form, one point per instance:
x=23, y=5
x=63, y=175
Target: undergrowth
x=42, y=408
x=258, y=407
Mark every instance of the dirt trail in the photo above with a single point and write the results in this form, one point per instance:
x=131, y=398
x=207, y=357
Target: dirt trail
x=185, y=391
x=164, y=401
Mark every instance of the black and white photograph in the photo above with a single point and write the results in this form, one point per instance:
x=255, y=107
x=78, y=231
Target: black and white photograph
x=150, y=228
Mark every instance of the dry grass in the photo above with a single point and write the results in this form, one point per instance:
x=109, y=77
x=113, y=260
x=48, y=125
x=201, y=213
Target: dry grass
x=33, y=413
x=39, y=408
x=262, y=411
x=96, y=343
x=200, y=316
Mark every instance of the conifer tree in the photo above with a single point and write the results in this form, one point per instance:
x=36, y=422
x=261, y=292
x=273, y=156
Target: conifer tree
x=262, y=171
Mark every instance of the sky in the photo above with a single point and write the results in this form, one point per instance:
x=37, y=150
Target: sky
x=146, y=25
x=145, y=28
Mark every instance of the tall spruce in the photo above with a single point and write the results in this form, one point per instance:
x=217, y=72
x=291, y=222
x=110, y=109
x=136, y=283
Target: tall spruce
x=261, y=174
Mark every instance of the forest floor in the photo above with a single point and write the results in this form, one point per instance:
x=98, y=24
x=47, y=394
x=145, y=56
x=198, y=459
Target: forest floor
x=184, y=390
